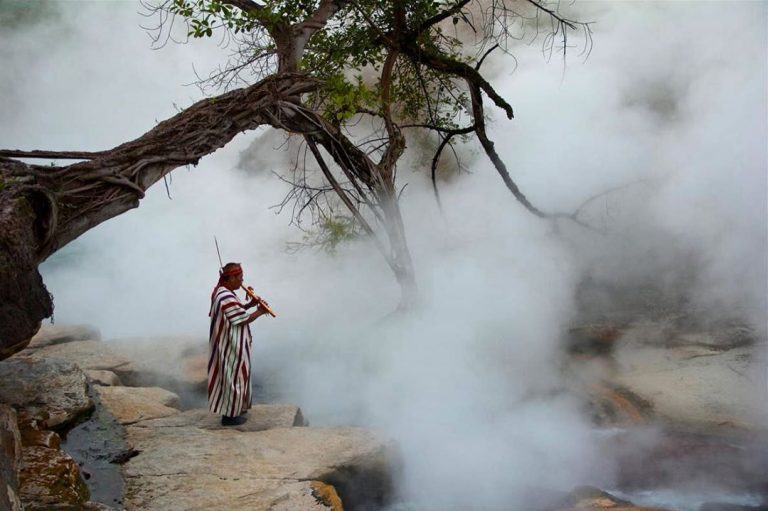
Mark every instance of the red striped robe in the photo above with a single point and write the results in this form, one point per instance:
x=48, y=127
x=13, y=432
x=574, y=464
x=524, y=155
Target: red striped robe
x=229, y=363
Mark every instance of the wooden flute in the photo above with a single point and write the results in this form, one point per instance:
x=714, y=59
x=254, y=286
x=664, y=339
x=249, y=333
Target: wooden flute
x=250, y=292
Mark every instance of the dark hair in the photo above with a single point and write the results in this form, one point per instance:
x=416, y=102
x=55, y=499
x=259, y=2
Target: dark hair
x=226, y=268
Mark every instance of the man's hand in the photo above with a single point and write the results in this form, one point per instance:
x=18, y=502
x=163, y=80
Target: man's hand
x=260, y=311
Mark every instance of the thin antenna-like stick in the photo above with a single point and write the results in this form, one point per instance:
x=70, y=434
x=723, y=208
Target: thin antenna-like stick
x=221, y=264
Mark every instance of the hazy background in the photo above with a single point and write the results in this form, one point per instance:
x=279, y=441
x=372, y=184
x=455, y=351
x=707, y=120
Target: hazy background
x=672, y=100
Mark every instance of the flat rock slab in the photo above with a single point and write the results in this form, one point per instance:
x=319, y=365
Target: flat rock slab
x=260, y=418
x=186, y=467
x=52, y=392
x=697, y=389
x=89, y=355
x=211, y=493
x=133, y=404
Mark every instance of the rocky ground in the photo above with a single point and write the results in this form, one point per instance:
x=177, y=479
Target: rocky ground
x=70, y=383
x=688, y=401
x=684, y=408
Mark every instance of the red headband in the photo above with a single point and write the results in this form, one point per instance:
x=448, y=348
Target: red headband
x=232, y=272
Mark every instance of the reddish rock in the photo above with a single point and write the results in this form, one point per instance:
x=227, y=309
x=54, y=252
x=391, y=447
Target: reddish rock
x=50, y=476
x=588, y=497
x=615, y=405
x=326, y=495
x=31, y=437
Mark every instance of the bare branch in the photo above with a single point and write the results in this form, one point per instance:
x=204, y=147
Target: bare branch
x=51, y=155
x=490, y=150
x=247, y=6
x=434, y=20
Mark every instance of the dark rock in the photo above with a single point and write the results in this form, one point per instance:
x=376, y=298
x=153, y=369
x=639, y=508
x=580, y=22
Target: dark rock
x=10, y=458
x=596, y=339
x=123, y=456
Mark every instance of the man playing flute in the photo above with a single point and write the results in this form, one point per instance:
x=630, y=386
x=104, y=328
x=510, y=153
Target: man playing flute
x=229, y=362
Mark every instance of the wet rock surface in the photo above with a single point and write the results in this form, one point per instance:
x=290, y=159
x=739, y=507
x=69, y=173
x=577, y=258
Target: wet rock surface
x=97, y=445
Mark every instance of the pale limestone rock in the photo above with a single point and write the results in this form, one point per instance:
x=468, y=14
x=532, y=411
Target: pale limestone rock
x=52, y=392
x=52, y=334
x=260, y=417
x=93, y=355
x=10, y=459
x=697, y=389
x=186, y=467
x=103, y=378
x=133, y=404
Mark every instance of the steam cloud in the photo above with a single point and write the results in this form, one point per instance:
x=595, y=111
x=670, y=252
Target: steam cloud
x=671, y=102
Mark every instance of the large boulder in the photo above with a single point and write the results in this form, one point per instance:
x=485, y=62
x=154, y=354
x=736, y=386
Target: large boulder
x=698, y=389
x=53, y=393
x=133, y=404
x=10, y=458
x=186, y=463
x=88, y=355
